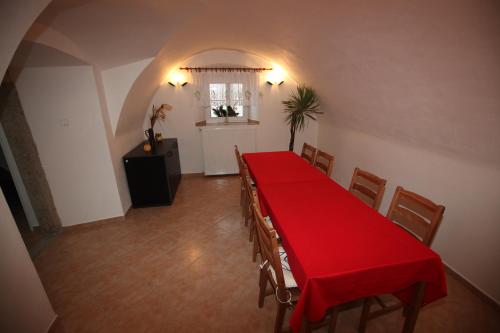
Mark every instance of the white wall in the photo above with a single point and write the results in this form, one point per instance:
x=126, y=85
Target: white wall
x=113, y=86
x=63, y=112
x=119, y=144
x=117, y=82
x=272, y=132
x=24, y=306
x=467, y=239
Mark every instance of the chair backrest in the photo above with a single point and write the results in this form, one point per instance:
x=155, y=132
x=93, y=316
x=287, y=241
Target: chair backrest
x=269, y=249
x=367, y=187
x=324, y=162
x=308, y=153
x=247, y=183
x=239, y=160
x=416, y=214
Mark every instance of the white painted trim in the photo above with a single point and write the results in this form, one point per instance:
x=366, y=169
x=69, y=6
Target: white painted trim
x=18, y=181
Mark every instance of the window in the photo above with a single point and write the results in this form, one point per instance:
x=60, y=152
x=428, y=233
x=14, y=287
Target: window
x=224, y=97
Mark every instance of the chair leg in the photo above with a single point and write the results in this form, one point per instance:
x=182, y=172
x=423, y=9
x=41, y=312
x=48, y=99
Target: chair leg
x=242, y=191
x=333, y=320
x=414, y=308
x=280, y=317
x=364, y=314
x=246, y=210
x=243, y=201
x=252, y=228
x=263, y=286
x=255, y=248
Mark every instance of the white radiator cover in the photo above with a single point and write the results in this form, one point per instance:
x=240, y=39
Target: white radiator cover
x=218, y=147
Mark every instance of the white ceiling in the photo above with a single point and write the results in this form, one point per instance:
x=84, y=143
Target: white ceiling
x=420, y=72
x=117, y=32
x=30, y=54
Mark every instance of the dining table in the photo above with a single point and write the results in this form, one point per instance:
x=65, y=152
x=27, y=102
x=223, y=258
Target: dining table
x=339, y=249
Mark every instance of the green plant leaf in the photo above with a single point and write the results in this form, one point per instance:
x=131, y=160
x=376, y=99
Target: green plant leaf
x=299, y=108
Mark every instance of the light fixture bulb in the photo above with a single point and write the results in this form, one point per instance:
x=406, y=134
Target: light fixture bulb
x=276, y=76
x=176, y=78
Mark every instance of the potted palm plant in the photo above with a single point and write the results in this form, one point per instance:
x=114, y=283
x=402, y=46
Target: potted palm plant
x=299, y=108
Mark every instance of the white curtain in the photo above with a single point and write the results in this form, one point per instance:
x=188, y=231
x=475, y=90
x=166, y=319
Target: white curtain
x=212, y=83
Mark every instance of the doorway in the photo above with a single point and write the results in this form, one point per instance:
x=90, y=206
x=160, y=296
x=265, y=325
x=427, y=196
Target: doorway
x=17, y=200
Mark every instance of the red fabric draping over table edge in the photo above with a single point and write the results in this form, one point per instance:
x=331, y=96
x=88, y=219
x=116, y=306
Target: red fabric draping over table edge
x=338, y=248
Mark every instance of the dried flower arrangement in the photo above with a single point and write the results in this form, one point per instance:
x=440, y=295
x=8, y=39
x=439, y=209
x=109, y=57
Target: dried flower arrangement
x=159, y=113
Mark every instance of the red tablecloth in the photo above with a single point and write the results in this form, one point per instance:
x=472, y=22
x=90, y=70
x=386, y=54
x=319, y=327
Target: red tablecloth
x=280, y=167
x=341, y=250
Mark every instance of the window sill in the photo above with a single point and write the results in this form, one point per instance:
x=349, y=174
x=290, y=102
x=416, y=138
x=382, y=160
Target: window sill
x=205, y=124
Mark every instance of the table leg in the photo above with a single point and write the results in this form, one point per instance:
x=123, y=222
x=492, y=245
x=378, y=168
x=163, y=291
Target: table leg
x=414, y=308
x=364, y=314
x=333, y=319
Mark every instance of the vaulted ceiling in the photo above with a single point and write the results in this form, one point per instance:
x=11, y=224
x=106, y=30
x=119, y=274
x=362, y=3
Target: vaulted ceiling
x=420, y=72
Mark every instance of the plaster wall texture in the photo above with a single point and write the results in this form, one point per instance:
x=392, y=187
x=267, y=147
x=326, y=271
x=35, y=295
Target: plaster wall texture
x=467, y=238
x=63, y=112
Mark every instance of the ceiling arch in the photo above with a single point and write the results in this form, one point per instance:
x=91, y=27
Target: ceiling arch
x=32, y=54
x=15, y=19
x=152, y=78
x=397, y=70
x=393, y=70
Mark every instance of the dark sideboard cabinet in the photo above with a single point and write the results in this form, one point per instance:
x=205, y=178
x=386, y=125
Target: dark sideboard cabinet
x=153, y=177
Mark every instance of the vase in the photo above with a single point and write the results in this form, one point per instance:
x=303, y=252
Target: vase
x=150, y=134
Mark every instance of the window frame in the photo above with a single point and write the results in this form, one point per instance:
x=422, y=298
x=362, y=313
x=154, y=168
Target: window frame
x=227, y=94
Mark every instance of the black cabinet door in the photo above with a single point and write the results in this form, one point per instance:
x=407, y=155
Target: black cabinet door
x=147, y=181
x=173, y=168
x=153, y=177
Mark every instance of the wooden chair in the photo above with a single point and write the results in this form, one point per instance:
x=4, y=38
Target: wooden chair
x=241, y=167
x=418, y=216
x=275, y=271
x=249, y=200
x=367, y=187
x=308, y=153
x=254, y=199
x=248, y=192
x=324, y=162
x=253, y=225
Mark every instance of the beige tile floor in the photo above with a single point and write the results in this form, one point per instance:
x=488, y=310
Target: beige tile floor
x=187, y=268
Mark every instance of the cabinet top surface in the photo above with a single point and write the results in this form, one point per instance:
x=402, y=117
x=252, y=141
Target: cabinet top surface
x=162, y=148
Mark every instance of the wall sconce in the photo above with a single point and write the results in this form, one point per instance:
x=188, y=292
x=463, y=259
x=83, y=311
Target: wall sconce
x=276, y=76
x=177, y=79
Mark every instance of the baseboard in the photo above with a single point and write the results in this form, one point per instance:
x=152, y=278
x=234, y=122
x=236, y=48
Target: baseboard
x=472, y=287
x=201, y=174
x=93, y=223
x=191, y=175
x=128, y=210
x=52, y=323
